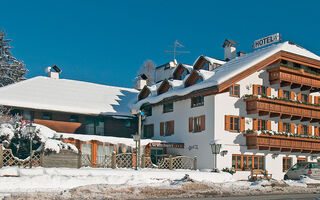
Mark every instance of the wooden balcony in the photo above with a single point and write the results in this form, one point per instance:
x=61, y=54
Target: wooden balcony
x=294, y=78
x=60, y=126
x=283, y=109
x=282, y=143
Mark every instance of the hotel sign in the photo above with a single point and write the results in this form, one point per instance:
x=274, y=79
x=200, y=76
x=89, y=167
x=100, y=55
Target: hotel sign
x=267, y=40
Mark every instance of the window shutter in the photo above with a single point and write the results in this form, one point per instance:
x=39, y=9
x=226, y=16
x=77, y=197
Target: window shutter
x=255, y=124
x=292, y=95
x=299, y=129
x=316, y=100
x=280, y=92
x=310, y=130
x=316, y=131
x=203, y=122
x=161, y=128
x=190, y=124
x=242, y=124
x=292, y=128
x=171, y=127
x=299, y=97
x=268, y=125
x=227, y=122
x=310, y=98
x=268, y=91
x=280, y=126
x=255, y=89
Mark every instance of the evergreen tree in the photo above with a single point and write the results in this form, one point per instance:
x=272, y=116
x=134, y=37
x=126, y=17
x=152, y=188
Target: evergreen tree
x=11, y=69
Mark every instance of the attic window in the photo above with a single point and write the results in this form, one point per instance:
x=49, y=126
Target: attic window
x=184, y=73
x=199, y=80
x=205, y=66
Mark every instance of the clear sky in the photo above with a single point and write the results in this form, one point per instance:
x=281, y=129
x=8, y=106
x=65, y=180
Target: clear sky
x=107, y=41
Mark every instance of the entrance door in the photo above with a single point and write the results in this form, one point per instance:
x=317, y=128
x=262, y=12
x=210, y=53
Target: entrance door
x=154, y=154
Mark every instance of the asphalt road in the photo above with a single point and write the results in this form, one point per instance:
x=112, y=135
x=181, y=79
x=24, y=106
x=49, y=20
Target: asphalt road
x=266, y=197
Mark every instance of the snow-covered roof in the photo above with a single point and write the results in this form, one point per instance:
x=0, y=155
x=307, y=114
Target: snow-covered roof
x=213, y=60
x=68, y=96
x=231, y=69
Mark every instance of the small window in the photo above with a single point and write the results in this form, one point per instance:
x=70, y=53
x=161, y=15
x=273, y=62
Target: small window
x=262, y=90
x=74, y=118
x=197, y=101
x=286, y=128
x=147, y=110
x=297, y=65
x=304, y=130
x=234, y=90
x=197, y=124
x=168, y=107
x=262, y=125
x=148, y=131
x=167, y=128
x=234, y=123
x=286, y=163
x=286, y=94
x=47, y=116
x=301, y=160
x=205, y=66
x=304, y=98
x=184, y=73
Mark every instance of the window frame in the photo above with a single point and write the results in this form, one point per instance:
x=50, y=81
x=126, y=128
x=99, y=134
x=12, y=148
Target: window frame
x=285, y=161
x=148, y=130
x=256, y=162
x=285, y=94
x=304, y=130
x=286, y=127
x=167, y=110
x=234, y=90
x=197, y=124
x=233, y=120
x=147, y=110
x=304, y=98
x=166, y=128
x=262, y=124
x=197, y=101
x=46, y=114
x=260, y=89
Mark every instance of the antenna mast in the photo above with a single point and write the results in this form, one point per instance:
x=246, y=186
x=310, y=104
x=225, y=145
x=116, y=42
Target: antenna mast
x=175, y=52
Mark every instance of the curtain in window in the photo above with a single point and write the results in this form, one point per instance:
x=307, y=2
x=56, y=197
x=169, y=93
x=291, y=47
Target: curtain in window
x=102, y=151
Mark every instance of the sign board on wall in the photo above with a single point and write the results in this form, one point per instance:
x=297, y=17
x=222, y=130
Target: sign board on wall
x=267, y=40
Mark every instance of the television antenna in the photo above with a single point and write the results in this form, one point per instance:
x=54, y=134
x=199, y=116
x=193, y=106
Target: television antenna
x=175, y=52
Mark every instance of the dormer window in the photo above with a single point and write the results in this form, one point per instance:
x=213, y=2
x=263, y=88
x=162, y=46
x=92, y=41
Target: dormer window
x=199, y=80
x=194, y=78
x=184, y=73
x=205, y=66
x=164, y=87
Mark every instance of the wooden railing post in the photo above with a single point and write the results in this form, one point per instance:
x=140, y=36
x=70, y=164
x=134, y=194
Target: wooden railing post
x=113, y=160
x=143, y=161
x=170, y=162
x=1, y=156
x=195, y=163
x=79, y=160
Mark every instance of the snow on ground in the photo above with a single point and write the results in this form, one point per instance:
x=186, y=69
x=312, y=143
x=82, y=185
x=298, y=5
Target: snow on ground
x=14, y=179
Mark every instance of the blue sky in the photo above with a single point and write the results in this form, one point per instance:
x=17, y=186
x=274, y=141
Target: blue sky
x=107, y=41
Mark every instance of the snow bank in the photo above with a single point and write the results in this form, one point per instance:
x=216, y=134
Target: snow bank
x=7, y=131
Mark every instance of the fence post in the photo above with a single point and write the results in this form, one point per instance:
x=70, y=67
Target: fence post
x=143, y=161
x=79, y=160
x=195, y=163
x=1, y=156
x=113, y=160
x=170, y=162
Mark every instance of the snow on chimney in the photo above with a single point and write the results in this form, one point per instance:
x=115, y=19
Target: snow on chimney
x=230, y=51
x=141, y=82
x=53, y=74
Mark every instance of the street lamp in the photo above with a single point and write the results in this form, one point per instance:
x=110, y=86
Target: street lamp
x=215, y=148
x=140, y=114
x=30, y=129
x=136, y=138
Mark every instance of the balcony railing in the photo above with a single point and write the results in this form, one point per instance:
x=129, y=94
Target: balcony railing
x=294, y=78
x=282, y=143
x=282, y=109
x=60, y=126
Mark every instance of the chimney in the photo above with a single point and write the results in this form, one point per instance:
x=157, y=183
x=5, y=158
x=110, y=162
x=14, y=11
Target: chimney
x=230, y=51
x=53, y=74
x=141, y=82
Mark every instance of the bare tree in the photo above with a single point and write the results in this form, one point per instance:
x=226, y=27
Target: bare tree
x=148, y=69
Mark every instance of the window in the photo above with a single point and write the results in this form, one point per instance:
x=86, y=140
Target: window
x=197, y=101
x=197, y=124
x=147, y=110
x=262, y=90
x=27, y=115
x=15, y=112
x=234, y=123
x=94, y=126
x=304, y=130
x=286, y=163
x=47, y=116
x=286, y=128
x=304, y=98
x=262, y=125
x=247, y=162
x=167, y=128
x=128, y=123
x=168, y=107
x=205, y=66
x=234, y=90
x=198, y=80
x=74, y=118
x=301, y=160
x=286, y=94
x=103, y=151
x=148, y=131
x=184, y=73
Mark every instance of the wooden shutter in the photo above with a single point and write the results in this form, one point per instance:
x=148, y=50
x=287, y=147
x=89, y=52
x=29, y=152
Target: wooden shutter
x=203, y=122
x=299, y=97
x=242, y=124
x=280, y=126
x=255, y=89
x=316, y=100
x=171, y=127
x=316, y=131
x=280, y=93
x=299, y=129
x=190, y=124
x=268, y=125
x=310, y=130
x=292, y=128
x=255, y=124
x=292, y=95
x=268, y=91
x=227, y=122
x=310, y=98
x=161, y=128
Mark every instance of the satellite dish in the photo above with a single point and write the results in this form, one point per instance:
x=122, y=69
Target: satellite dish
x=47, y=70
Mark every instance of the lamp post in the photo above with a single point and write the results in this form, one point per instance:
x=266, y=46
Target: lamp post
x=136, y=138
x=215, y=148
x=140, y=114
x=30, y=129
